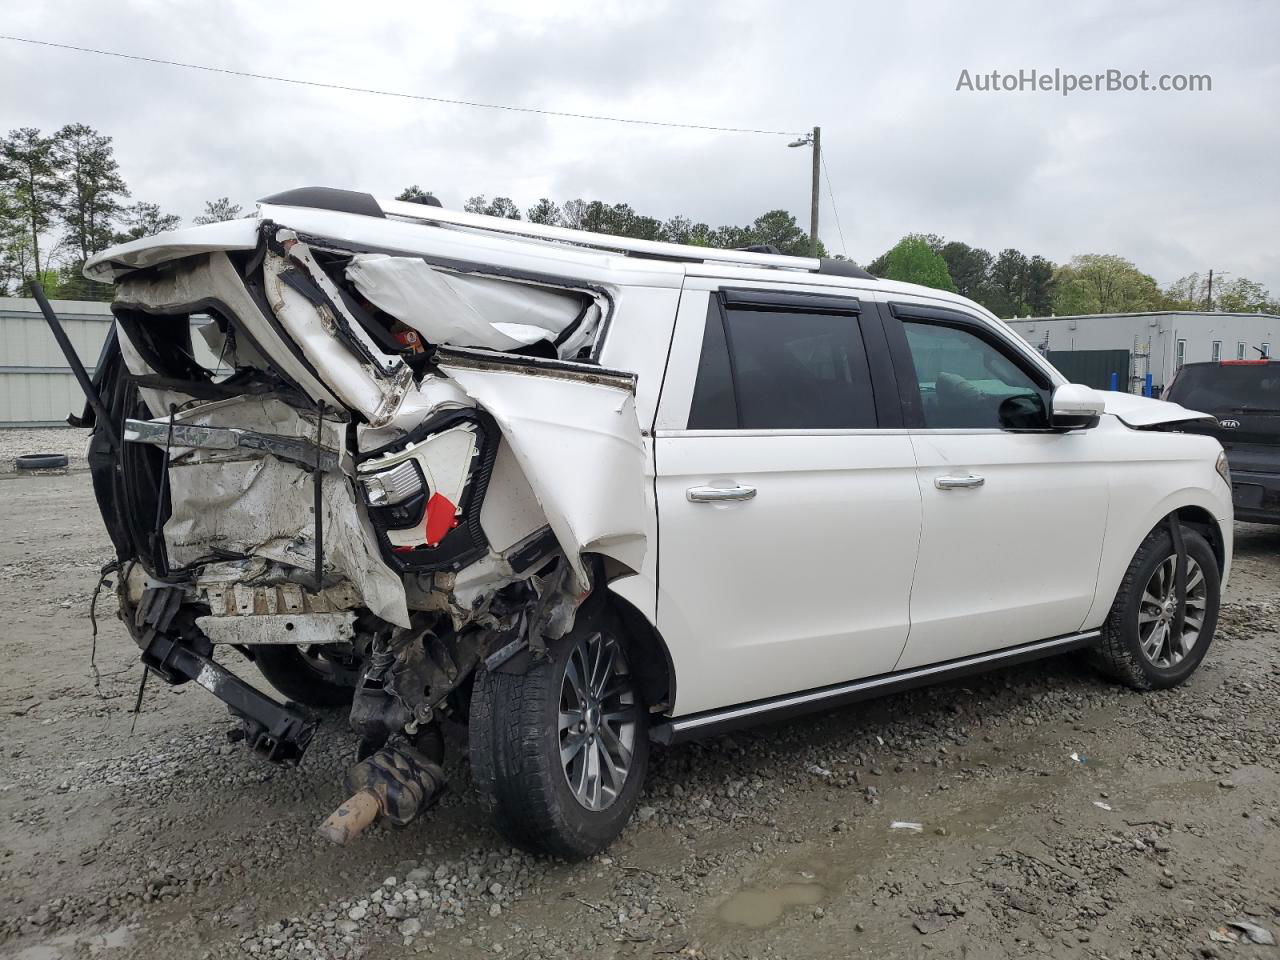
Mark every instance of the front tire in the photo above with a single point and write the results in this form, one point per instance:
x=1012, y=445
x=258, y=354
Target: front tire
x=1139, y=645
x=559, y=752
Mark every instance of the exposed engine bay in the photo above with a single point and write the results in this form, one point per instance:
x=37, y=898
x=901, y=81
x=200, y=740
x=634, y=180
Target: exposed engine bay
x=393, y=473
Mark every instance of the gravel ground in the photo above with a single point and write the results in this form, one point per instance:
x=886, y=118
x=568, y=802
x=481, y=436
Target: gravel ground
x=15, y=442
x=1058, y=815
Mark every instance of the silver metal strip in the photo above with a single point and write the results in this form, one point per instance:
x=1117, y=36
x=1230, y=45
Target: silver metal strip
x=885, y=680
x=293, y=449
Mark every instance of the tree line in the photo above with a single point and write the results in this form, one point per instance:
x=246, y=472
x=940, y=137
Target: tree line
x=776, y=228
x=1012, y=284
x=63, y=199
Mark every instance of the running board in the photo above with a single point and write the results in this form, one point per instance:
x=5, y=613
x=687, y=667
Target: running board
x=713, y=722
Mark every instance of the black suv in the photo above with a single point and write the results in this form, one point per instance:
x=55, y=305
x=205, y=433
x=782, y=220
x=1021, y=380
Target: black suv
x=1244, y=396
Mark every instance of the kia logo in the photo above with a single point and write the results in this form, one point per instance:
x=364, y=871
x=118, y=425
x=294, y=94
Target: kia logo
x=1229, y=424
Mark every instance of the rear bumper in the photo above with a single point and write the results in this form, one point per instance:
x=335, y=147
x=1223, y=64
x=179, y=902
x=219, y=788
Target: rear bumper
x=1256, y=496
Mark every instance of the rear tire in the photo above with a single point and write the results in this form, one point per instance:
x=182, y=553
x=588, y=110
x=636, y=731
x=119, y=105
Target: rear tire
x=1138, y=647
x=316, y=677
x=559, y=753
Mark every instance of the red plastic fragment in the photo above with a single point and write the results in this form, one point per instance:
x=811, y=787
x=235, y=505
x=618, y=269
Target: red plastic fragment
x=441, y=514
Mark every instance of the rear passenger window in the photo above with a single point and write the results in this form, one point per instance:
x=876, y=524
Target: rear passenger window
x=765, y=369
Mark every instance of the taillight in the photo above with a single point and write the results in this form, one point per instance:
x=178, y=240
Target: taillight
x=415, y=493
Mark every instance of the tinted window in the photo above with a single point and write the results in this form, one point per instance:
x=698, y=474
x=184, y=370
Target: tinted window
x=966, y=382
x=1229, y=387
x=785, y=369
x=713, y=406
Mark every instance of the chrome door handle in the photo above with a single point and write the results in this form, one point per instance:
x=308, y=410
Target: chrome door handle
x=719, y=494
x=959, y=483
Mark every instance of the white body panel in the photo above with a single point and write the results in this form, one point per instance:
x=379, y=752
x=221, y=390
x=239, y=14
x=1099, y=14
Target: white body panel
x=804, y=585
x=1012, y=560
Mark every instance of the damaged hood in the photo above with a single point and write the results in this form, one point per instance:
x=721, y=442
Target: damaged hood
x=1135, y=411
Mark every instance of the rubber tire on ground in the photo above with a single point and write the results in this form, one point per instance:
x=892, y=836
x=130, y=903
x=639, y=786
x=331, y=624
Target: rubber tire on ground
x=289, y=672
x=41, y=461
x=515, y=759
x=1118, y=653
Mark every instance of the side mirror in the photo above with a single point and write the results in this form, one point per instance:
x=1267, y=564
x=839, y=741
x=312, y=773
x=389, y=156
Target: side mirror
x=1076, y=407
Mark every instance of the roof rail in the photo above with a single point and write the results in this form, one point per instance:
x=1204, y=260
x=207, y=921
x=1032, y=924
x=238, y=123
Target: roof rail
x=758, y=255
x=600, y=241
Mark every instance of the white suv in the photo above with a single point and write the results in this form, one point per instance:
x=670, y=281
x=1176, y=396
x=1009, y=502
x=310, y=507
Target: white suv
x=584, y=492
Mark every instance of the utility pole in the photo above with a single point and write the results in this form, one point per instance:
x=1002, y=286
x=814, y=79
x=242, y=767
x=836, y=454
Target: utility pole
x=813, y=200
x=814, y=140
x=1209, y=298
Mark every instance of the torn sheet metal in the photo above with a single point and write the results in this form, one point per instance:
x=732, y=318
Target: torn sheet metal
x=467, y=310
x=360, y=384
x=261, y=507
x=254, y=588
x=574, y=432
x=434, y=394
x=212, y=278
x=1136, y=411
x=255, y=505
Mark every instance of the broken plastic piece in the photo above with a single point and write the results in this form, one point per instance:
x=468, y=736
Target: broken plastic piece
x=1101, y=806
x=907, y=825
x=1253, y=933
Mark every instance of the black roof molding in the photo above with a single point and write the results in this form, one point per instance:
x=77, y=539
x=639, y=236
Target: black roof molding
x=828, y=266
x=328, y=198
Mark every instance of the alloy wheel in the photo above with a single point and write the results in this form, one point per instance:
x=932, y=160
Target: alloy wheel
x=598, y=713
x=1157, y=614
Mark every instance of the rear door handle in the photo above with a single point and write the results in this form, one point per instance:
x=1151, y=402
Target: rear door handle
x=719, y=494
x=959, y=483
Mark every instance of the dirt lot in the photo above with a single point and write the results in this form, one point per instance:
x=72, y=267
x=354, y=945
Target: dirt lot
x=169, y=842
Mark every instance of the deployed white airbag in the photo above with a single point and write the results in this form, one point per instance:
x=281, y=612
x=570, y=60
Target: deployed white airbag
x=460, y=309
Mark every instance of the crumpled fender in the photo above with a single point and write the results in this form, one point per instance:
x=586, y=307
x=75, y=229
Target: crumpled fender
x=1136, y=411
x=573, y=429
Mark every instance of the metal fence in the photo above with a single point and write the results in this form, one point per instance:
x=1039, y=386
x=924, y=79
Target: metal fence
x=37, y=388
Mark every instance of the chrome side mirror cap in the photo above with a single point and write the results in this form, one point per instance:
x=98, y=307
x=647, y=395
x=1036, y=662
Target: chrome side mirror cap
x=1077, y=407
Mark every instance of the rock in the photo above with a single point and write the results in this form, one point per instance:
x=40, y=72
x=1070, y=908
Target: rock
x=411, y=927
x=357, y=913
x=930, y=923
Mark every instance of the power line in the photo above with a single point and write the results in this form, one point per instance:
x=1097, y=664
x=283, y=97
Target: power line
x=400, y=95
x=834, y=209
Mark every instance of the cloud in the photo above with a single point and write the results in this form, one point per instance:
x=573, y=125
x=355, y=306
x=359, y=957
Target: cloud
x=1175, y=182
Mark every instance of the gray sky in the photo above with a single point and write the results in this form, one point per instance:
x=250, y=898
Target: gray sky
x=1176, y=182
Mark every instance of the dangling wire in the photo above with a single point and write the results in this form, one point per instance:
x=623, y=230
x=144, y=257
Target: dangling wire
x=105, y=572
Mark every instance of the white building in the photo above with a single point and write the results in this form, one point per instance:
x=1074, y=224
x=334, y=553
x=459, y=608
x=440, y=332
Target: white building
x=1091, y=347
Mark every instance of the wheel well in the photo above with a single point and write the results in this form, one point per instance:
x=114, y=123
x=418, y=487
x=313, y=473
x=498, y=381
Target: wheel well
x=649, y=658
x=1202, y=522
